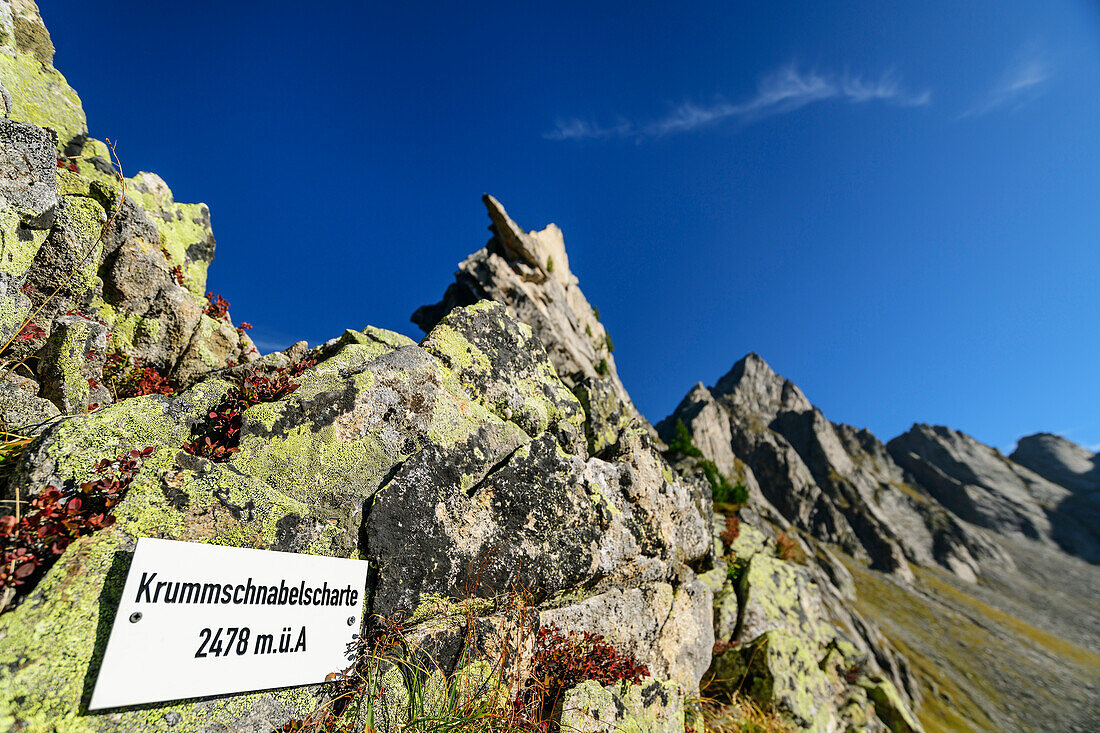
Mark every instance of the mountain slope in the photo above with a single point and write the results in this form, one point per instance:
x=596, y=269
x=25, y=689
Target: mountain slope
x=991, y=644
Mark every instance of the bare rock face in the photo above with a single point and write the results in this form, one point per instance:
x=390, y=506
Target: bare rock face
x=529, y=273
x=981, y=485
x=836, y=482
x=1060, y=461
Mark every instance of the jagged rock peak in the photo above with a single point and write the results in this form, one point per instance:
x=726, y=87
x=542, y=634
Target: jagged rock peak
x=1059, y=460
x=543, y=249
x=753, y=386
x=838, y=483
x=528, y=272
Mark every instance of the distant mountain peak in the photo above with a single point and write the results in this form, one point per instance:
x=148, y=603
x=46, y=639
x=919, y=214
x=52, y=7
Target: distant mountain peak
x=753, y=386
x=1059, y=460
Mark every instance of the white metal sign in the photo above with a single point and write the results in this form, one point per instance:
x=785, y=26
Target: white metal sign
x=199, y=620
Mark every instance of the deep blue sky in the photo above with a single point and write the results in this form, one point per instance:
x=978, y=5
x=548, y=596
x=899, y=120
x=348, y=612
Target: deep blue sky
x=896, y=204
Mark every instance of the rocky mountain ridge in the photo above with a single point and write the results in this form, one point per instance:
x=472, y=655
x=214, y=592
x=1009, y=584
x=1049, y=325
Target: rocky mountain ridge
x=931, y=498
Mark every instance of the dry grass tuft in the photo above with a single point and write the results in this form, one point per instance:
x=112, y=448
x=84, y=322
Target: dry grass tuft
x=743, y=715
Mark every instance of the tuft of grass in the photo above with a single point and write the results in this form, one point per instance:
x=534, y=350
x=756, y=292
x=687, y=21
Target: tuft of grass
x=721, y=489
x=742, y=715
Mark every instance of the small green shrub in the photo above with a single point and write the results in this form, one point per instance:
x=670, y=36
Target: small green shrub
x=721, y=489
x=607, y=342
x=602, y=369
x=596, y=312
x=735, y=568
x=549, y=264
x=681, y=443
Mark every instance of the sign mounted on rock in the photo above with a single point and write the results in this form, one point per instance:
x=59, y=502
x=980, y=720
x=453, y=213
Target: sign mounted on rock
x=198, y=620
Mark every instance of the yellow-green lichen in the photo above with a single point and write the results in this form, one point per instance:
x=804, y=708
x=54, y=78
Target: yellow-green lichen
x=18, y=245
x=623, y=708
x=434, y=606
x=180, y=225
x=456, y=351
x=784, y=672
x=772, y=592
x=40, y=95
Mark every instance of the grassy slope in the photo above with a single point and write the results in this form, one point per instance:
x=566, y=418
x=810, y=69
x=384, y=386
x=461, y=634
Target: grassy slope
x=980, y=669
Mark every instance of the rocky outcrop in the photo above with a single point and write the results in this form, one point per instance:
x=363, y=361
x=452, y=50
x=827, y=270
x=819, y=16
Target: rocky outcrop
x=464, y=467
x=838, y=483
x=79, y=241
x=981, y=485
x=529, y=273
x=457, y=466
x=795, y=644
x=31, y=89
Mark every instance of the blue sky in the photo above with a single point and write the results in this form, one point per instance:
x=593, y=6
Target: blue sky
x=896, y=205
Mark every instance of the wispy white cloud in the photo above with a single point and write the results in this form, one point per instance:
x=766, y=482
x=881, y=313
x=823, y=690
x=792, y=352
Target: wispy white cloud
x=784, y=90
x=1020, y=83
x=574, y=129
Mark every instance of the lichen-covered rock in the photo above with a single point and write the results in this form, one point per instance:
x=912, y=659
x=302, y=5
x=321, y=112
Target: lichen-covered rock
x=889, y=706
x=783, y=671
x=382, y=440
x=34, y=91
x=22, y=411
x=726, y=604
x=74, y=243
x=507, y=369
x=75, y=238
x=748, y=543
x=184, y=229
x=793, y=646
x=73, y=374
x=779, y=595
x=606, y=416
x=21, y=28
x=28, y=205
x=649, y=707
